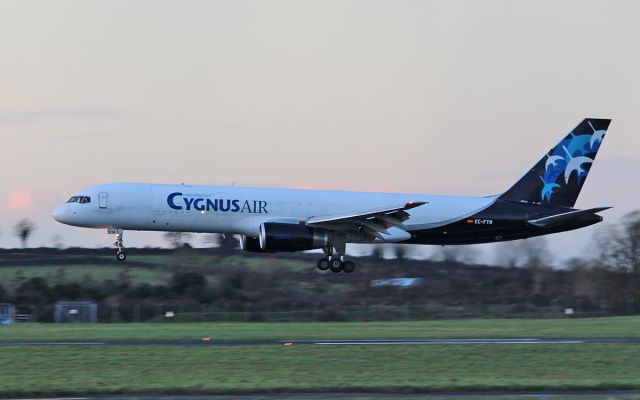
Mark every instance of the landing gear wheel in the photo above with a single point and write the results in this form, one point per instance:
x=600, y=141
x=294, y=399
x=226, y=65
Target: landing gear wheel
x=323, y=264
x=335, y=265
x=120, y=254
x=348, y=267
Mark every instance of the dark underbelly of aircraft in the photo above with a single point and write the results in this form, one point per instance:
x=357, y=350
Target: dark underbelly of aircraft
x=503, y=221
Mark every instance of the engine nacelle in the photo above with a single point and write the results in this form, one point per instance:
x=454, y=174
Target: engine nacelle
x=275, y=237
x=251, y=244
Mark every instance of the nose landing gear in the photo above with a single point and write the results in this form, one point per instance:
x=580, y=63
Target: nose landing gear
x=120, y=254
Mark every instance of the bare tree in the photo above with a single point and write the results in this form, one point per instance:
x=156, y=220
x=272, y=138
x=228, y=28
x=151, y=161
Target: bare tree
x=529, y=253
x=507, y=254
x=462, y=253
x=584, y=284
x=177, y=239
x=377, y=252
x=535, y=252
x=56, y=241
x=228, y=243
x=225, y=242
x=23, y=230
x=212, y=239
x=400, y=252
x=619, y=246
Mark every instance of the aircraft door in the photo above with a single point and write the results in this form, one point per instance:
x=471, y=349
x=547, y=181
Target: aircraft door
x=102, y=199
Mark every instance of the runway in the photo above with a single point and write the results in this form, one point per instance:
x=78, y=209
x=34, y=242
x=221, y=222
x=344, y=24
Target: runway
x=364, y=342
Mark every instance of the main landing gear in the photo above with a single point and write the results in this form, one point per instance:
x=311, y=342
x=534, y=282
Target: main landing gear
x=120, y=254
x=335, y=263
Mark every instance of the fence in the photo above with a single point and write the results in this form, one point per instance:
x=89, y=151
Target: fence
x=7, y=313
x=247, y=312
x=76, y=312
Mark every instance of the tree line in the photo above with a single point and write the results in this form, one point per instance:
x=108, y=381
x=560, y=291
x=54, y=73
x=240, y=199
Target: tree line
x=222, y=279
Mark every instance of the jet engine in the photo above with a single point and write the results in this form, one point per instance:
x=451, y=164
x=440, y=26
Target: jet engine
x=278, y=237
x=251, y=244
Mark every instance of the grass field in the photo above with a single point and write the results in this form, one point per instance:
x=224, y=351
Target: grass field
x=627, y=327
x=74, y=370
x=77, y=273
x=217, y=262
x=159, y=269
x=83, y=370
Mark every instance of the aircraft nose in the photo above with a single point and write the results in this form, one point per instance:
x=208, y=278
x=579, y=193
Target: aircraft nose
x=59, y=214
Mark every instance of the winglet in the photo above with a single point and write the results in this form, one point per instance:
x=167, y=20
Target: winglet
x=413, y=204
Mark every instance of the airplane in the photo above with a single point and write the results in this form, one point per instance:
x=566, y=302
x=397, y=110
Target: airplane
x=287, y=220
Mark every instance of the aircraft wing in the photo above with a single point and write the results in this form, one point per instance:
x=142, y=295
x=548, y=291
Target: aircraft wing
x=375, y=222
x=559, y=218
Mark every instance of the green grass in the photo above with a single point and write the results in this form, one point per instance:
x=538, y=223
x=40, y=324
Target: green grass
x=76, y=273
x=182, y=369
x=161, y=267
x=149, y=259
x=627, y=327
x=195, y=260
x=75, y=370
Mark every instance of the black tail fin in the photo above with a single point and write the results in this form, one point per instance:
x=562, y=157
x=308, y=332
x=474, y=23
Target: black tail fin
x=557, y=178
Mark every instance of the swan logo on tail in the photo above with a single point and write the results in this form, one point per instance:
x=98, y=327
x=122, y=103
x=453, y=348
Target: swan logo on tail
x=596, y=136
x=575, y=164
x=552, y=160
x=551, y=181
x=547, y=190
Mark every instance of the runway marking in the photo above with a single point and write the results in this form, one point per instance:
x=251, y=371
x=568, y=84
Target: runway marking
x=53, y=344
x=449, y=342
x=55, y=398
x=328, y=342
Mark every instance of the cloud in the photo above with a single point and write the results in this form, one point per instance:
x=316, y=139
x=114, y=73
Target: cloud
x=11, y=117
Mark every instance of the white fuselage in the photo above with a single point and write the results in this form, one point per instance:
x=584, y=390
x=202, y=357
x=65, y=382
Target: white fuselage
x=241, y=210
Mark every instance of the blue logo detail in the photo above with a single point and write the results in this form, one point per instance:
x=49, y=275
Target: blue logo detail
x=596, y=136
x=547, y=190
x=178, y=201
x=575, y=164
x=579, y=144
x=567, y=158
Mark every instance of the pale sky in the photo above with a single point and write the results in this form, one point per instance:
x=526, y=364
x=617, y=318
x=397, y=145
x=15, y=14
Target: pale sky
x=455, y=97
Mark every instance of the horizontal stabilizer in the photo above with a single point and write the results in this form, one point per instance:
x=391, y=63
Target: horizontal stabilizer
x=559, y=218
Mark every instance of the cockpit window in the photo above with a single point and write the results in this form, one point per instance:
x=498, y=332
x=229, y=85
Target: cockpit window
x=80, y=199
